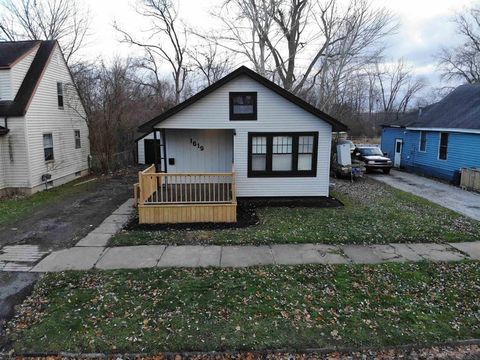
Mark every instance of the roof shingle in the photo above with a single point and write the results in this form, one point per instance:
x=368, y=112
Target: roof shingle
x=19, y=105
x=11, y=51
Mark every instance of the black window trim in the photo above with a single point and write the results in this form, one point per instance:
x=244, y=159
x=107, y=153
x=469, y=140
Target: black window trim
x=269, y=173
x=243, y=117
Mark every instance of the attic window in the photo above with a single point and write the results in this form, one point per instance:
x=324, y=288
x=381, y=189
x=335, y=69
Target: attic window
x=243, y=106
x=60, y=95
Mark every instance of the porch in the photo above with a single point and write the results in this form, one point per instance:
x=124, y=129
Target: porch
x=164, y=198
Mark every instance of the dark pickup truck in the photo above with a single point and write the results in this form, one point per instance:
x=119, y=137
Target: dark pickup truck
x=373, y=158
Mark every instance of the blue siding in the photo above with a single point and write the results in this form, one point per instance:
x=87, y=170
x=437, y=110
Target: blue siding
x=463, y=151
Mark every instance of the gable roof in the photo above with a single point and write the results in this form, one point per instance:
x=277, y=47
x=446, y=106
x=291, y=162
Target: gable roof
x=243, y=70
x=12, y=51
x=19, y=105
x=458, y=110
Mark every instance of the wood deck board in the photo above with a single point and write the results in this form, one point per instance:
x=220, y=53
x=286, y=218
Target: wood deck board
x=187, y=213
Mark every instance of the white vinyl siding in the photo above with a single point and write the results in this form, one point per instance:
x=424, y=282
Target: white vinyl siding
x=13, y=156
x=5, y=85
x=44, y=116
x=274, y=114
x=20, y=69
x=197, y=151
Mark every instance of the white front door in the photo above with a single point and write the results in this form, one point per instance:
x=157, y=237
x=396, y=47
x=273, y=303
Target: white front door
x=397, y=161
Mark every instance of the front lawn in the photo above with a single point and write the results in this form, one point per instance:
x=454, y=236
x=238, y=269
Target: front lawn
x=374, y=213
x=254, y=308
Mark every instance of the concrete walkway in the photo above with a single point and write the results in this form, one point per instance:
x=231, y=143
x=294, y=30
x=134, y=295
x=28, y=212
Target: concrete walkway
x=135, y=257
x=453, y=198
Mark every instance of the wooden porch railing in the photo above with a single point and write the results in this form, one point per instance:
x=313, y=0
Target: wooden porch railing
x=185, y=188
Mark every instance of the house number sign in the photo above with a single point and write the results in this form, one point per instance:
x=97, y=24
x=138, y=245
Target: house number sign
x=196, y=144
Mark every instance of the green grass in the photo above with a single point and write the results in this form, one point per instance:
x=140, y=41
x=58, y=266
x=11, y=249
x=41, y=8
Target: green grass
x=373, y=214
x=255, y=308
x=16, y=208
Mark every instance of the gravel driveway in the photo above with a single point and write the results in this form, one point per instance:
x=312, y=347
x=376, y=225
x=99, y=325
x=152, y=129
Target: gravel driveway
x=453, y=198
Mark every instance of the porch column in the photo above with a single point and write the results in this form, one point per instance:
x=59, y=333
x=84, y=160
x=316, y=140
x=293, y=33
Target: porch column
x=155, y=153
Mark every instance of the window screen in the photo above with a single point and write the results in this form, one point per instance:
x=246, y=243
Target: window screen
x=243, y=106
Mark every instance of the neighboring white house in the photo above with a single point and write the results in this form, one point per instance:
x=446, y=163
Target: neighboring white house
x=278, y=144
x=44, y=138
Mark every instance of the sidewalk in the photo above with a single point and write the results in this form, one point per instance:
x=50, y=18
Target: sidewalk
x=464, y=202
x=136, y=257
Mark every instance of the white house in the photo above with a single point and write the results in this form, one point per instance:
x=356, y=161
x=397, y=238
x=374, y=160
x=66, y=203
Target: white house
x=43, y=132
x=274, y=143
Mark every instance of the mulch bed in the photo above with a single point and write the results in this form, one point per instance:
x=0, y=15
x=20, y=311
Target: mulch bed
x=246, y=214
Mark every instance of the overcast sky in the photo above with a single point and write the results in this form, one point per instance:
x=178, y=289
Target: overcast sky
x=424, y=27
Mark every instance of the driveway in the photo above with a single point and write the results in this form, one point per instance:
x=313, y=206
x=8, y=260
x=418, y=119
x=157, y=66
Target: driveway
x=55, y=226
x=451, y=197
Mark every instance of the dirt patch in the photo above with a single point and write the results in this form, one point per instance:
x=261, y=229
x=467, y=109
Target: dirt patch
x=64, y=221
x=14, y=288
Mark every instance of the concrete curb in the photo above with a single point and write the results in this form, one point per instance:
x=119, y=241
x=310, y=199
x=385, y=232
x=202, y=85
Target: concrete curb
x=186, y=354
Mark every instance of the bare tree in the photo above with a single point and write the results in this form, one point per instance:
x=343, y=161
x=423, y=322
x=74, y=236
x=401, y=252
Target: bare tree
x=166, y=40
x=62, y=20
x=463, y=62
x=210, y=62
x=396, y=86
x=296, y=41
x=117, y=100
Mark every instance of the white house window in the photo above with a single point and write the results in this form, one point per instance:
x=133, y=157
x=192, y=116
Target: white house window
x=305, y=152
x=259, y=153
x=243, y=106
x=443, y=150
x=60, y=95
x=423, y=141
x=48, y=147
x=282, y=153
x=78, y=141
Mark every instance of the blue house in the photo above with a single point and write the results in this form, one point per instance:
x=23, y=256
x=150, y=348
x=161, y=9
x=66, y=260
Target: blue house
x=440, y=139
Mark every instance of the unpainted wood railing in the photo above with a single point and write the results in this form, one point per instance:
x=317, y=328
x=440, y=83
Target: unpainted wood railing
x=185, y=188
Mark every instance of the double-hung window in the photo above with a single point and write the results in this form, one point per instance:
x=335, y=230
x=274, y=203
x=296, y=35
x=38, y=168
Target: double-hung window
x=60, y=95
x=48, y=147
x=443, y=149
x=282, y=154
x=78, y=140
